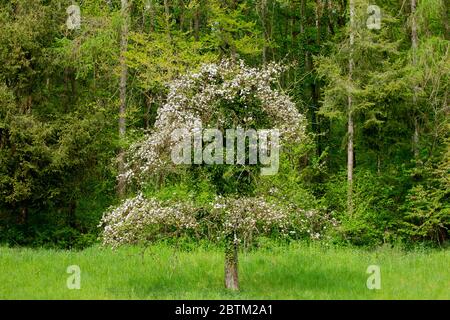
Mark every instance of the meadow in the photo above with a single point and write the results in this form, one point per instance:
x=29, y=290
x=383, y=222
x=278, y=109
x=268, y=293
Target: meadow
x=295, y=271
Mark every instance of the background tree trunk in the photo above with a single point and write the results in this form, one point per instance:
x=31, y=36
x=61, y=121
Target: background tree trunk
x=197, y=24
x=121, y=188
x=350, y=130
x=265, y=31
x=414, y=43
x=315, y=89
x=167, y=17
x=151, y=12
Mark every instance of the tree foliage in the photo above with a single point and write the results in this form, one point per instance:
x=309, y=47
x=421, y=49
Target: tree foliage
x=59, y=112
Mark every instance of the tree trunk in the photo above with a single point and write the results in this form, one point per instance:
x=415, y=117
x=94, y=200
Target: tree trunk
x=302, y=16
x=414, y=43
x=330, y=18
x=265, y=31
x=446, y=18
x=231, y=263
x=149, y=101
x=23, y=218
x=167, y=17
x=316, y=85
x=318, y=16
x=182, y=13
x=350, y=130
x=197, y=24
x=151, y=12
x=121, y=188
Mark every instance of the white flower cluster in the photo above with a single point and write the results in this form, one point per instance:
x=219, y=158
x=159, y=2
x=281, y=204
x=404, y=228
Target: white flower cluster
x=194, y=100
x=139, y=219
x=249, y=216
x=310, y=222
x=131, y=222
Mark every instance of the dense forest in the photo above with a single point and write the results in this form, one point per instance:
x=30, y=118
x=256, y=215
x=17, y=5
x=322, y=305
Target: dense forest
x=370, y=79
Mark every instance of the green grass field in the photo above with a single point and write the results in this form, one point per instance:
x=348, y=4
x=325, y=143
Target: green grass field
x=297, y=271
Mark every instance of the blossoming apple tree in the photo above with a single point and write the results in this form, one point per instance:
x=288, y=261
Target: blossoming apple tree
x=221, y=96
